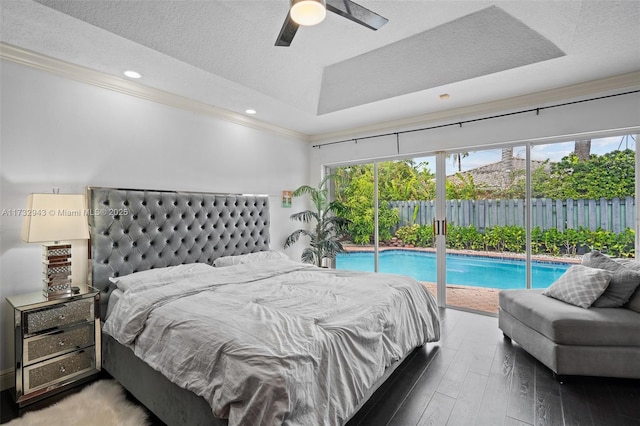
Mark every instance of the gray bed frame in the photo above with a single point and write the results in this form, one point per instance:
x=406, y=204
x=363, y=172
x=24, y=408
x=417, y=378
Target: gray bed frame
x=135, y=230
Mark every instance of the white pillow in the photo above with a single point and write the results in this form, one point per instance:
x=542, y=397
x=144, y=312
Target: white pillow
x=580, y=285
x=159, y=276
x=249, y=258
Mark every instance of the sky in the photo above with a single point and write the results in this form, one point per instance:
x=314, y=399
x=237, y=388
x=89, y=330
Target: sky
x=554, y=152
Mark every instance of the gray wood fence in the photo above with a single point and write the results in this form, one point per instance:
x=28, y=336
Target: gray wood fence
x=610, y=215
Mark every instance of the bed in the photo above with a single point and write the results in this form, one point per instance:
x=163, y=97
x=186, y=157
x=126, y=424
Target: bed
x=255, y=339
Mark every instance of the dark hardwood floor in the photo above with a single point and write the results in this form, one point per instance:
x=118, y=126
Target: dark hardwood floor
x=475, y=377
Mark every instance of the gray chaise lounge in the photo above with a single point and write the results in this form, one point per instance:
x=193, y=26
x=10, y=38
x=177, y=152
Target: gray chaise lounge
x=571, y=340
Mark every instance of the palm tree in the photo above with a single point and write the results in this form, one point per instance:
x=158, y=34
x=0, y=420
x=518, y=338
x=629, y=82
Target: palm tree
x=324, y=243
x=457, y=158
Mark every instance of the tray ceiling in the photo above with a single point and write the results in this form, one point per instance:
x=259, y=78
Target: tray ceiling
x=337, y=75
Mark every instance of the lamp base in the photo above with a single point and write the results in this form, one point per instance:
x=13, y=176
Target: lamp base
x=59, y=294
x=56, y=270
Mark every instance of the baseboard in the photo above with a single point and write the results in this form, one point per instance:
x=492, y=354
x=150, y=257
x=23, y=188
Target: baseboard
x=6, y=379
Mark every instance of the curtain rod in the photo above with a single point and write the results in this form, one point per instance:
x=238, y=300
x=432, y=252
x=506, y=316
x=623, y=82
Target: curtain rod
x=460, y=123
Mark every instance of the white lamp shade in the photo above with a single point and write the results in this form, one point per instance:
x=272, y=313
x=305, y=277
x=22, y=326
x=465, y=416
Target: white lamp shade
x=55, y=217
x=308, y=12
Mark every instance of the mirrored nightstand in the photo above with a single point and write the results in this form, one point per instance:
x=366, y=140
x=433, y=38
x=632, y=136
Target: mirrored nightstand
x=57, y=342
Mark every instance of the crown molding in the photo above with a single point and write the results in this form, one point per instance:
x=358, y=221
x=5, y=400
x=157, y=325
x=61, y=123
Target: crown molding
x=127, y=87
x=623, y=81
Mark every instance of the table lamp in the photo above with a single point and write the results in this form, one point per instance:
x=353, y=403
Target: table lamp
x=50, y=219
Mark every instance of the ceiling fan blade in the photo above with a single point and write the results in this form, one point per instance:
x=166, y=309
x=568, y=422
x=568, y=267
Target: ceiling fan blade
x=356, y=13
x=287, y=32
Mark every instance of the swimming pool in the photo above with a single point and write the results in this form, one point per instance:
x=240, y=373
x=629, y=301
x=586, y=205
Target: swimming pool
x=478, y=271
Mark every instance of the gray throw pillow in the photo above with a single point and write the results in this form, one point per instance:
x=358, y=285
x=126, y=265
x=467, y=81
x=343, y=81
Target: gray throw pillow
x=579, y=285
x=634, y=300
x=624, y=281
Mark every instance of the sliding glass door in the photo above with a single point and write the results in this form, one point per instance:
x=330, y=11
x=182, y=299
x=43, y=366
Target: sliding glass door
x=486, y=226
x=405, y=198
x=468, y=224
x=407, y=191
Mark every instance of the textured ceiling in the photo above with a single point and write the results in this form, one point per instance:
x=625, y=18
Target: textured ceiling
x=482, y=43
x=337, y=75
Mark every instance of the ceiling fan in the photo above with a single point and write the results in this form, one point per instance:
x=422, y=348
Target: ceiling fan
x=312, y=12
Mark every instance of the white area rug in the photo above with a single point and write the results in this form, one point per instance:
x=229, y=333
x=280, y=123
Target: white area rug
x=101, y=404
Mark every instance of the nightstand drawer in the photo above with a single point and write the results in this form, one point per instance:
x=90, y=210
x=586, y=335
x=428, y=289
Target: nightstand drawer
x=58, y=369
x=62, y=341
x=59, y=316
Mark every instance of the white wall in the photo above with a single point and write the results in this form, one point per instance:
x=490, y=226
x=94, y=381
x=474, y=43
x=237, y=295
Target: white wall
x=56, y=132
x=619, y=115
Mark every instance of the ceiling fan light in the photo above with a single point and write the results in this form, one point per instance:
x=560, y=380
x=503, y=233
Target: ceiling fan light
x=308, y=12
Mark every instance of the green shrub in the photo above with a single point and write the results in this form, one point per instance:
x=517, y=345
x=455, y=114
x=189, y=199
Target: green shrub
x=537, y=245
x=571, y=239
x=473, y=238
x=623, y=245
x=408, y=234
x=425, y=236
x=361, y=222
x=600, y=240
x=417, y=235
x=454, y=238
x=513, y=239
x=552, y=241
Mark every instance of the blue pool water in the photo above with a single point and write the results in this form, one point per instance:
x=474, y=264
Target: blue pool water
x=478, y=271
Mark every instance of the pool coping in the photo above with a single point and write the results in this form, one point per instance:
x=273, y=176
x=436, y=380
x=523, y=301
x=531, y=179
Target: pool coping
x=470, y=253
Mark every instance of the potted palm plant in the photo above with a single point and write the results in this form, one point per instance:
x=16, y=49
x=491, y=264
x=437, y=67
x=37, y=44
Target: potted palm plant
x=326, y=224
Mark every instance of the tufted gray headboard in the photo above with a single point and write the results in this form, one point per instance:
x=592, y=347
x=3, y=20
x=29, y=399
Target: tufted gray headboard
x=134, y=230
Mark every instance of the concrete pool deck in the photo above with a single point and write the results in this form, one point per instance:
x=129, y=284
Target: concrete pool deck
x=466, y=297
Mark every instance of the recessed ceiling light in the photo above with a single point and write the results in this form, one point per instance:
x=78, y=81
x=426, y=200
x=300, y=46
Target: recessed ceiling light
x=250, y=111
x=444, y=96
x=132, y=74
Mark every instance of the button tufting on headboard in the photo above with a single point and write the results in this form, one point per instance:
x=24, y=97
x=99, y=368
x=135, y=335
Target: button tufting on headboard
x=136, y=230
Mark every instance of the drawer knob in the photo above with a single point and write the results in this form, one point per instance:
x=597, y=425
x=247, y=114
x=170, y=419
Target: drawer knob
x=61, y=343
x=62, y=369
x=61, y=317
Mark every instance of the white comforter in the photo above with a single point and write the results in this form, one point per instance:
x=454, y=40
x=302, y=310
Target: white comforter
x=276, y=341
